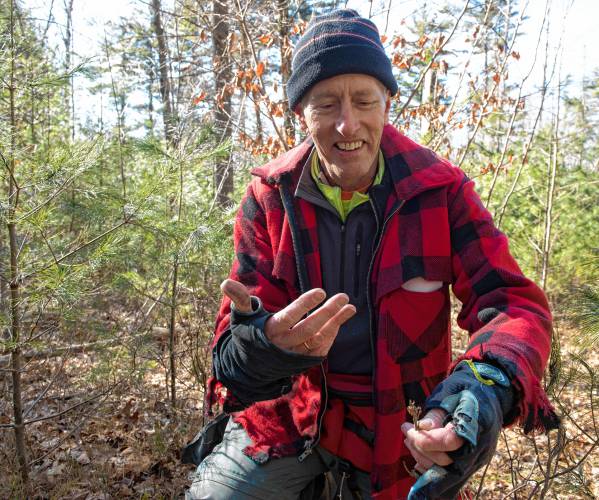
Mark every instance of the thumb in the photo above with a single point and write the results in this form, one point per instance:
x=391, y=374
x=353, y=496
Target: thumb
x=239, y=295
x=433, y=419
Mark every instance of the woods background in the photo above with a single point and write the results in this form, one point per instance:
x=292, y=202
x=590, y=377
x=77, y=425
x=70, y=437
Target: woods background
x=120, y=179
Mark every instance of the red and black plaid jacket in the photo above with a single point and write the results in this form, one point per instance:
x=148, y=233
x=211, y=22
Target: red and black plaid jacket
x=435, y=228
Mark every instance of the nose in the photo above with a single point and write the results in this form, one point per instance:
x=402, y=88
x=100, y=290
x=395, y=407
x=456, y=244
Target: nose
x=347, y=121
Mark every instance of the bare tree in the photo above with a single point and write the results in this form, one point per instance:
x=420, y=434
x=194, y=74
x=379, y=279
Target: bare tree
x=14, y=272
x=223, y=174
x=549, y=199
x=68, y=45
x=285, y=53
x=168, y=113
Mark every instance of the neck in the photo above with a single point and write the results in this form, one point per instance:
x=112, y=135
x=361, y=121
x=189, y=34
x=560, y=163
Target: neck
x=357, y=184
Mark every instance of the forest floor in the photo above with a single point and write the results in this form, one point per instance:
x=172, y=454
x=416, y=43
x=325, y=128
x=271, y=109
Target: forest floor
x=123, y=439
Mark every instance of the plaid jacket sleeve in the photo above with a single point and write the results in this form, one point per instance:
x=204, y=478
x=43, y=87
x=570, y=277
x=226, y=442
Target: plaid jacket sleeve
x=252, y=266
x=506, y=314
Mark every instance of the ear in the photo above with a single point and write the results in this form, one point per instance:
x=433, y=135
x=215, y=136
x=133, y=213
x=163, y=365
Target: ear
x=387, y=106
x=299, y=112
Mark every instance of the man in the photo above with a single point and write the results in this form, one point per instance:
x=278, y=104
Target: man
x=336, y=314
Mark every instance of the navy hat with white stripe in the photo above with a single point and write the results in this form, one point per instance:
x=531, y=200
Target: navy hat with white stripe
x=337, y=43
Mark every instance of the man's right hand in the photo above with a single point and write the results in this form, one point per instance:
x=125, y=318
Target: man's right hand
x=288, y=329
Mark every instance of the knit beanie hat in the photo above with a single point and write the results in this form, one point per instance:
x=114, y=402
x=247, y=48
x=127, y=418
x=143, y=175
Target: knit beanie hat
x=337, y=43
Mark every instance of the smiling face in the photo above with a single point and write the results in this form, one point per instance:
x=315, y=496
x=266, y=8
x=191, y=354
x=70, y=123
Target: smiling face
x=345, y=116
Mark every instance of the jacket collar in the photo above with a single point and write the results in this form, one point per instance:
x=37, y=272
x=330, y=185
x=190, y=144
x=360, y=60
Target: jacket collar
x=414, y=168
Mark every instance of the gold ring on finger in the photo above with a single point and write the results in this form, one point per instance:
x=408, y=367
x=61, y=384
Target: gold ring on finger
x=307, y=346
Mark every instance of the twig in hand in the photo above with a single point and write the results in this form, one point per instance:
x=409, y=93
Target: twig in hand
x=414, y=412
x=414, y=473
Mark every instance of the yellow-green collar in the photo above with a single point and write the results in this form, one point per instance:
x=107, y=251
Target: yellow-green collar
x=333, y=193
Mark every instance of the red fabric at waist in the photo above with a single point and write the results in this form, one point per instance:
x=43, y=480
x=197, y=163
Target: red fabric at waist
x=349, y=383
x=335, y=437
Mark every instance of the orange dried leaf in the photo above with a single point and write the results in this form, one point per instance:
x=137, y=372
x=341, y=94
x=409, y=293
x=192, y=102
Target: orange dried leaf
x=399, y=40
x=264, y=39
x=260, y=69
x=199, y=98
x=383, y=38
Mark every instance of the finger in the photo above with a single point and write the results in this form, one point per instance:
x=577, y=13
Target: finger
x=313, y=323
x=287, y=318
x=420, y=468
x=239, y=295
x=318, y=344
x=443, y=439
x=428, y=459
x=426, y=424
x=420, y=458
x=433, y=419
x=321, y=342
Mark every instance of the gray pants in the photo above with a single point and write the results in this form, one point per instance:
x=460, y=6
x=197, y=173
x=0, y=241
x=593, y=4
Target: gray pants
x=229, y=474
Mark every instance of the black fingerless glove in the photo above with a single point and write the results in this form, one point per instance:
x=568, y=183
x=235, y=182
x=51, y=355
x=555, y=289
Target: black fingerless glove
x=476, y=397
x=249, y=364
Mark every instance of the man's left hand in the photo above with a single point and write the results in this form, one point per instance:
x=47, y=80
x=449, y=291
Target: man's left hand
x=431, y=442
x=459, y=432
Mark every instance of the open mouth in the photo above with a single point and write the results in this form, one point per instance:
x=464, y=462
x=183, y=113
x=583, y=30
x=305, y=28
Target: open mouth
x=349, y=146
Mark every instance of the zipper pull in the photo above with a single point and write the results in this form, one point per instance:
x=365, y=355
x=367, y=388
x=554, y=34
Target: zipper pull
x=306, y=452
x=358, y=249
x=343, y=476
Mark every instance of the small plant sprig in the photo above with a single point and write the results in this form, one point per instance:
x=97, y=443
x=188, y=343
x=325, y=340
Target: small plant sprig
x=414, y=412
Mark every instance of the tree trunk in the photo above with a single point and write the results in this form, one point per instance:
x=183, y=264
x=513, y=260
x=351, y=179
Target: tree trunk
x=258, y=117
x=552, y=174
x=4, y=290
x=150, y=87
x=172, y=340
x=15, y=292
x=223, y=174
x=165, y=83
x=119, y=106
x=429, y=97
x=68, y=46
x=285, y=53
x=70, y=89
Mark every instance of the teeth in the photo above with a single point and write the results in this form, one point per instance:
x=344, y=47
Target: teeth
x=350, y=146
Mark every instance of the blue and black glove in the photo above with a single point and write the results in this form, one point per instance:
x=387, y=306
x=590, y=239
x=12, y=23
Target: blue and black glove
x=476, y=397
